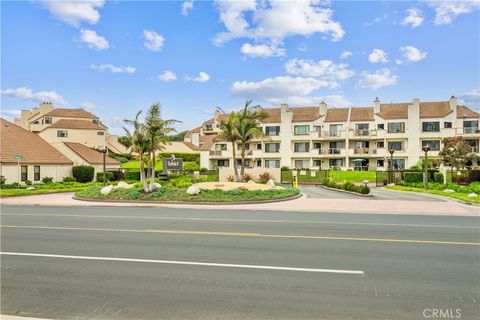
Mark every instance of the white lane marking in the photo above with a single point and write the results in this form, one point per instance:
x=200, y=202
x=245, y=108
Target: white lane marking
x=190, y=263
x=243, y=220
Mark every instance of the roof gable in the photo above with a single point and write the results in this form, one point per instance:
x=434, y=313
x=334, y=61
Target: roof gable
x=90, y=155
x=71, y=113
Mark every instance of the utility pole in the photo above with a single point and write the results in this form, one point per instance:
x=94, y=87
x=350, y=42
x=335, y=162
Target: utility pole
x=425, y=167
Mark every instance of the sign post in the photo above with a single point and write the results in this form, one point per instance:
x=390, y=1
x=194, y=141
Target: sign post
x=18, y=157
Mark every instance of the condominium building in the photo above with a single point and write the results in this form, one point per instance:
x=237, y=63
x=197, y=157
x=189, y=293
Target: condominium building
x=357, y=138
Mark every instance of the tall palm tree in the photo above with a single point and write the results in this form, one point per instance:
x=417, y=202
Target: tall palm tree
x=158, y=131
x=249, y=128
x=229, y=133
x=140, y=144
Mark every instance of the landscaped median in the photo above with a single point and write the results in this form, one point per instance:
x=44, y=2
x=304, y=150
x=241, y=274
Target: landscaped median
x=214, y=192
x=42, y=188
x=362, y=190
x=462, y=193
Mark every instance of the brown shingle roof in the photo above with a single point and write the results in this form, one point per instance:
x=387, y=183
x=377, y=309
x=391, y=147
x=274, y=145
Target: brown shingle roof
x=464, y=112
x=434, y=109
x=361, y=114
x=337, y=115
x=75, y=124
x=18, y=141
x=190, y=145
x=71, y=113
x=394, y=111
x=207, y=141
x=90, y=155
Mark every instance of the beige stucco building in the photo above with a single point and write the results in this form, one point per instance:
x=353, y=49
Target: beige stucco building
x=357, y=138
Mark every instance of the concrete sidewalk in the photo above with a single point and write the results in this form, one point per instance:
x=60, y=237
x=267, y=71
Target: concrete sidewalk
x=303, y=204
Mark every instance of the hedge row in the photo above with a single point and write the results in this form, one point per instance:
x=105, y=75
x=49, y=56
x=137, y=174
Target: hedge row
x=347, y=186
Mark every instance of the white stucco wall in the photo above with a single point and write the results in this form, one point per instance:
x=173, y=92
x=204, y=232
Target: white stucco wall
x=57, y=172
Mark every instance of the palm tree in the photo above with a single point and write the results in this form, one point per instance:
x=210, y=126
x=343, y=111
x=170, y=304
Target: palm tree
x=158, y=131
x=249, y=128
x=229, y=133
x=140, y=144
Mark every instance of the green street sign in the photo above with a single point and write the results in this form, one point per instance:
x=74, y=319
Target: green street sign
x=18, y=156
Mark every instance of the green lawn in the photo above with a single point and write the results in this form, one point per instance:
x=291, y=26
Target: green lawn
x=135, y=164
x=352, y=176
x=46, y=188
x=456, y=195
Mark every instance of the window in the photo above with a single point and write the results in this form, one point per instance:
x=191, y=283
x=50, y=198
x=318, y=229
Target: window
x=317, y=128
x=317, y=145
x=259, y=163
x=335, y=163
x=272, y=130
x=36, y=122
x=62, y=133
x=301, y=147
x=317, y=163
x=48, y=120
x=336, y=145
x=24, y=173
x=362, y=144
x=473, y=144
x=398, y=164
x=208, y=127
x=220, y=147
x=100, y=133
x=95, y=121
x=432, y=126
x=272, y=163
x=470, y=124
x=36, y=173
x=259, y=146
x=380, y=144
x=380, y=163
x=447, y=124
x=395, y=145
x=223, y=163
x=381, y=126
x=272, y=147
x=434, y=145
x=302, y=164
x=396, y=127
x=301, y=130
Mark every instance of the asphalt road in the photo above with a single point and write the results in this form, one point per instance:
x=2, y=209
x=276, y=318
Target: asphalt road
x=152, y=263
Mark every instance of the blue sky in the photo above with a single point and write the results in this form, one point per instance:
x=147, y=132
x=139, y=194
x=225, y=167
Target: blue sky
x=115, y=58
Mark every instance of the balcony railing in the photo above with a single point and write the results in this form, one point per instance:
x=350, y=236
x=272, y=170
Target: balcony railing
x=475, y=150
x=471, y=130
x=216, y=152
x=338, y=133
x=364, y=151
x=364, y=133
x=330, y=151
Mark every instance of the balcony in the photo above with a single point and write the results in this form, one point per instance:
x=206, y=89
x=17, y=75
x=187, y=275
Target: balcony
x=365, y=133
x=364, y=151
x=331, y=135
x=220, y=153
x=475, y=150
x=469, y=130
x=332, y=152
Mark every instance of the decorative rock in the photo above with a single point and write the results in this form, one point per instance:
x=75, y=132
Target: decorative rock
x=157, y=185
x=270, y=183
x=193, y=190
x=472, y=195
x=251, y=181
x=391, y=184
x=122, y=185
x=31, y=188
x=106, y=190
x=449, y=191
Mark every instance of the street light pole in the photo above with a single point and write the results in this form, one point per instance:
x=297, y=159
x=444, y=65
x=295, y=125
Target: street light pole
x=104, y=151
x=390, y=175
x=425, y=167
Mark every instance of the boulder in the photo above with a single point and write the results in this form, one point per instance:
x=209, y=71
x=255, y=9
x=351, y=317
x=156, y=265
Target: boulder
x=251, y=181
x=193, y=190
x=157, y=185
x=106, y=190
x=122, y=185
x=31, y=188
x=449, y=191
x=391, y=184
x=270, y=183
x=472, y=195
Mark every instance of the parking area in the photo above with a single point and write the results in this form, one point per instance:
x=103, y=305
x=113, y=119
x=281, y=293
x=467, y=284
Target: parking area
x=319, y=192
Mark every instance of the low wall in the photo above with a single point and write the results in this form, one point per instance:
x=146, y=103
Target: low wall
x=224, y=173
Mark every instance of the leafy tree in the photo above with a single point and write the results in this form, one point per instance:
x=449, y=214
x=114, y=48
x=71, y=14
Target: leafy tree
x=229, y=133
x=179, y=136
x=125, y=141
x=455, y=153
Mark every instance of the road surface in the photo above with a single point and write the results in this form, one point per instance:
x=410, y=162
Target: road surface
x=160, y=263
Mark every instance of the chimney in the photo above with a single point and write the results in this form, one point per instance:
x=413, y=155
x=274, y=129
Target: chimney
x=453, y=102
x=45, y=107
x=323, y=108
x=284, y=107
x=376, y=105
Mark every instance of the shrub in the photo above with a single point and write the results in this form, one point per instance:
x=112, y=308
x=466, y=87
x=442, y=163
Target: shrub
x=47, y=180
x=438, y=177
x=231, y=178
x=69, y=179
x=191, y=166
x=28, y=182
x=203, y=170
x=413, y=177
x=109, y=176
x=83, y=173
x=117, y=175
x=473, y=175
x=348, y=186
x=243, y=188
x=264, y=177
x=2, y=180
x=132, y=175
x=247, y=177
x=186, y=156
x=284, y=168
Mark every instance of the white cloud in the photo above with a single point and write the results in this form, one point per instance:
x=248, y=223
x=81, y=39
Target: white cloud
x=74, y=12
x=302, y=47
x=278, y=88
x=446, y=11
x=325, y=69
x=378, y=56
x=345, y=54
x=414, y=17
x=25, y=93
x=202, y=77
x=93, y=40
x=11, y=113
x=413, y=54
x=88, y=105
x=153, y=41
x=377, y=79
x=471, y=99
x=186, y=7
x=167, y=75
x=112, y=68
x=275, y=20
x=262, y=50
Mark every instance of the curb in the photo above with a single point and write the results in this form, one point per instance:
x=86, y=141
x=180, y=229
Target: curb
x=297, y=196
x=435, y=196
x=351, y=192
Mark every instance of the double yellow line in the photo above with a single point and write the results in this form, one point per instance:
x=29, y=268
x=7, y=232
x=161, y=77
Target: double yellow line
x=246, y=234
